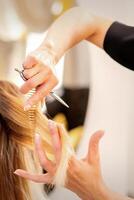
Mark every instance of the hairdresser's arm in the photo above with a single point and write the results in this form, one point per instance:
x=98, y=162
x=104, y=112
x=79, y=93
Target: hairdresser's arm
x=69, y=29
x=73, y=26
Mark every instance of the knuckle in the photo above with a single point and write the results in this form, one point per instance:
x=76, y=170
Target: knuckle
x=26, y=74
x=74, y=166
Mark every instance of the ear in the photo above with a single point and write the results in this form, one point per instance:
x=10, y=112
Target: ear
x=93, y=156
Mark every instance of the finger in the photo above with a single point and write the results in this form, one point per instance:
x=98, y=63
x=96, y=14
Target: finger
x=62, y=130
x=93, y=151
x=55, y=140
x=41, y=92
x=29, y=62
x=35, y=81
x=29, y=73
x=44, y=162
x=41, y=178
x=43, y=102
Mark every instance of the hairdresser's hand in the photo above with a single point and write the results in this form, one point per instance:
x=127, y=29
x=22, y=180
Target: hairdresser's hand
x=46, y=164
x=83, y=176
x=39, y=70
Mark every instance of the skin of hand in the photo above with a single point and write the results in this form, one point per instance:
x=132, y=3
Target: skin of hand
x=46, y=164
x=78, y=170
x=63, y=34
x=39, y=72
x=83, y=176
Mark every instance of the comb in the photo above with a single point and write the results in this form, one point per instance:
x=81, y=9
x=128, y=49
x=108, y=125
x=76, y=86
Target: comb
x=32, y=111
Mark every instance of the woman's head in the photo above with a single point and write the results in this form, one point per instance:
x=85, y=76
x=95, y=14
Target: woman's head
x=15, y=120
x=16, y=143
x=11, y=152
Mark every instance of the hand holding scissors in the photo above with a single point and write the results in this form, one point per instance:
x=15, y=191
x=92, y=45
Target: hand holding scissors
x=37, y=74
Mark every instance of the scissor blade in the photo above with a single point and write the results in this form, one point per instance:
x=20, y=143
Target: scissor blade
x=59, y=99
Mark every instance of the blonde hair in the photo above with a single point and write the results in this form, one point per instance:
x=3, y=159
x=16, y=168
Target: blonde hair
x=17, y=147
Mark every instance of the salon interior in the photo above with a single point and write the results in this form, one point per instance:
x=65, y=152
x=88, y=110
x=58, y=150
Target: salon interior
x=100, y=96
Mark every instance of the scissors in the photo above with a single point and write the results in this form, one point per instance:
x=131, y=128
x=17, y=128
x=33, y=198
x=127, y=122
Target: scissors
x=59, y=99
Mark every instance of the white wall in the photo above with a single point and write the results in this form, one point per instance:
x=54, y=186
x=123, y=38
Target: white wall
x=111, y=108
x=111, y=105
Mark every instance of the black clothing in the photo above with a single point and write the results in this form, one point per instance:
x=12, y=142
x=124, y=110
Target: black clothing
x=119, y=44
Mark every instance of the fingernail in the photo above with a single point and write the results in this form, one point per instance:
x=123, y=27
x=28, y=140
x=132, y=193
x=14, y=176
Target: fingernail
x=52, y=127
x=37, y=136
x=27, y=107
x=16, y=173
x=51, y=123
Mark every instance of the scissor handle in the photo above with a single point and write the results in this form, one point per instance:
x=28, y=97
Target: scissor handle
x=21, y=74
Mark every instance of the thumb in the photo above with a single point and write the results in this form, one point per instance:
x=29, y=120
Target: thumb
x=93, y=156
x=29, y=62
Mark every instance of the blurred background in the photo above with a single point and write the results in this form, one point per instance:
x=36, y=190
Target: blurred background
x=99, y=91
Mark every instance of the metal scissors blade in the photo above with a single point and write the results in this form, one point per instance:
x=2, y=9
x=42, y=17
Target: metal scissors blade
x=59, y=99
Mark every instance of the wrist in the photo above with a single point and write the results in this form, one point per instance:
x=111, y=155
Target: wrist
x=85, y=187
x=104, y=193
x=45, y=55
x=52, y=47
x=66, y=32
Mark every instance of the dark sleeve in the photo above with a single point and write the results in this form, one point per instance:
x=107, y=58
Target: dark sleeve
x=119, y=44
